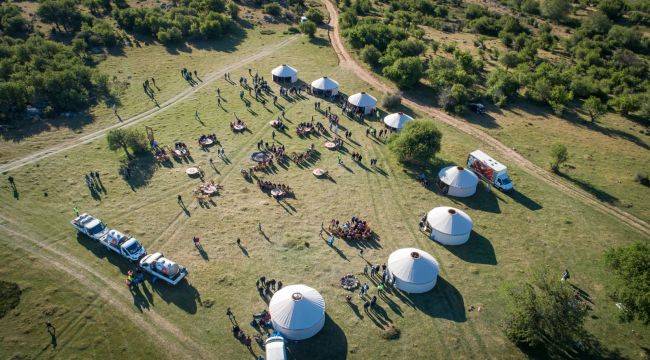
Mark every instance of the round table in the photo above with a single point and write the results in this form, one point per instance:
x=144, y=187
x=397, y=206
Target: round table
x=239, y=127
x=330, y=145
x=209, y=190
x=274, y=123
x=207, y=142
x=260, y=156
x=192, y=171
x=319, y=172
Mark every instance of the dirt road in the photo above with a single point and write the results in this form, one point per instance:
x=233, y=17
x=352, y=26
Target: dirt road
x=208, y=79
x=346, y=60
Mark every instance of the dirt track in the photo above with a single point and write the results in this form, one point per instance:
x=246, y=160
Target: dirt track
x=208, y=79
x=346, y=60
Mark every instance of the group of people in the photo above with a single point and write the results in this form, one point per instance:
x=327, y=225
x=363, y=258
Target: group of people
x=238, y=123
x=294, y=90
x=267, y=186
x=304, y=128
x=160, y=154
x=355, y=229
x=181, y=148
x=298, y=158
x=187, y=76
x=93, y=182
x=146, y=85
x=266, y=287
x=373, y=272
x=357, y=157
x=203, y=140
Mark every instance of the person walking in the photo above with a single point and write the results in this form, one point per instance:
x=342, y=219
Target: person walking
x=565, y=275
x=196, y=241
x=279, y=285
x=231, y=316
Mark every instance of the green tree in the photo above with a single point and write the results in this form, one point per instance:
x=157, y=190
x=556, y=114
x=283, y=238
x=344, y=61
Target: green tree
x=614, y=9
x=60, y=13
x=14, y=97
x=126, y=139
x=625, y=104
x=631, y=285
x=273, y=9
x=559, y=155
x=315, y=15
x=501, y=87
x=370, y=55
x=405, y=72
x=555, y=9
x=233, y=10
x=594, y=107
x=308, y=27
x=509, y=59
x=543, y=313
x=418, y=142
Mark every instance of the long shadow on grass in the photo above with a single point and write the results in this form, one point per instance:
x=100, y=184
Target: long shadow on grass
x=483, y=199
x=444, y=301
x=599, y=194
x=477, y=250
x=184, y=295
x=142, y=168
x=524, y=200
x=330, y=343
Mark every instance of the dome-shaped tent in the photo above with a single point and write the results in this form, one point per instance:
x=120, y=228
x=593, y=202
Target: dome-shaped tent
x=414, y=270
x=297, y=312
x=285, y=73
x=449, y=226
x=458, y=181
x=325, y=86
x=397, y=120
x=362, y=102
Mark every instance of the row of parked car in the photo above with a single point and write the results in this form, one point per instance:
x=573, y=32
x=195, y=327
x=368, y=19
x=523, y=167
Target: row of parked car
x=130, y=248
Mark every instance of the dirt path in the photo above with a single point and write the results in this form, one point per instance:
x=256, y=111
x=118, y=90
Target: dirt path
x=176, y=342
x=346, y=60
x=208, y=79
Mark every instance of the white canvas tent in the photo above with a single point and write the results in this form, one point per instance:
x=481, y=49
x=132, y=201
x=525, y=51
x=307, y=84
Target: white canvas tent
x=325, y=86
x=449, y=226
x=397, y=120
x=414, y=270
x=297, y=312
x=363, y=102
x=458, y=181
x=285, y=73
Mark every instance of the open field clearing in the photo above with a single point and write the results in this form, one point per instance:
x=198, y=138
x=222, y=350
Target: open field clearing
x=537, y=226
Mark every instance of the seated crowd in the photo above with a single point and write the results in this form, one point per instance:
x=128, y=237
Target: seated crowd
x=355, y=229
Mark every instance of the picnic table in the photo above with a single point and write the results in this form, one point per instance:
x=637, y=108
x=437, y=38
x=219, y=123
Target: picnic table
x=206, y=142
x=330, y=145
x=318, y=172
x=192, y=171
x=239, y=127
x=276, y=193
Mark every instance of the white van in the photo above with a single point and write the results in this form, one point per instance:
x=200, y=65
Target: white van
x=275, y=349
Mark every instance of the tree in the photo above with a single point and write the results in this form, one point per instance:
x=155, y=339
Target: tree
x=273, y=9
x=417, y=142
x=501, y=87
x=60, y=13
x=233, y=10
x=555, y=9
x=370, y=55
x=126, y=139
x=391, y=101
x=614, y=9
x=314, y=15
x=559, y=155
x=454, y=98
x=405, y=72
x=631, y=284
x=509, y=59
x=308, y=27
x=544, y=314
x=594, y=107
x=625, y=104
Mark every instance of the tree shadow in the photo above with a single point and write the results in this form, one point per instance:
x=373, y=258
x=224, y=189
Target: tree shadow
x=477, y=250
x=330, y=343
x=599, y=194
x=140, y=170
x=443, y=301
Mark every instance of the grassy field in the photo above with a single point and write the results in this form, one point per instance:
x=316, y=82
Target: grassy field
x=513, y=235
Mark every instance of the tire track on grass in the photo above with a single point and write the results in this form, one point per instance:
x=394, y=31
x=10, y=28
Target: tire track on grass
x=104, y=289
x=39, y=155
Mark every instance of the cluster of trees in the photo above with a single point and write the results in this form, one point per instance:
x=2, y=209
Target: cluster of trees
x=417, y=143
x=631, y=284
x=204, y=19
x=12, y=22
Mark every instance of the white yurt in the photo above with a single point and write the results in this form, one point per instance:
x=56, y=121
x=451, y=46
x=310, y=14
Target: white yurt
x=325, y=86
x=362, y=101
x=414, y=270
x=449, y=226
x=297, y=312
x=397, y=120
x=458, y=181
x=285, y=74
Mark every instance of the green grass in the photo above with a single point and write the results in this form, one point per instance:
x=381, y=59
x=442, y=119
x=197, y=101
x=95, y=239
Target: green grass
x=540, y=227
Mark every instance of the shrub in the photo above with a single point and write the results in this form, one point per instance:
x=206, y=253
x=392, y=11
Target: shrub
x=555, y=9
x=631, y=284
x=614, y=9
x=314, y=15
x=501, y=87
x=273, y=9
x=405, y=72
x=417, y=142
x=170, y=35
x=594, y=107
x=559, y=155
x=9, y=297
x=233, y=10
x=370, y=55
x=347, y=19
x=60, y=13
x=544, y=314
x=391, y=101
x=308, y=27
x=126, y=139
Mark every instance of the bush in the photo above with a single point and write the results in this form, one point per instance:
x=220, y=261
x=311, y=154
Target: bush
x=614, y=9
x=60, y=13
x=594, y=107
x=391, y=101
x=377, y=34
x=315, y=15
x=418, y=142
x=559, y=155
x=544, y=314
x=555, y=9
x=501, y=87
x=347, y=19
x=12, y=22
x=233, y=10
x=631, y=284
x=454, y=98
x=170, y=35
x=370, y=55
x=405, y=72
x=308, y=27
x=126, y=139
x=9, y=297
x=273, y=9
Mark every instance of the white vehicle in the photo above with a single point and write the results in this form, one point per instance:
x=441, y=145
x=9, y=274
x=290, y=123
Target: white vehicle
x=162, y=268
x=490, y=170
x=275, y=349
x=124, y=245
x=91, y=226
